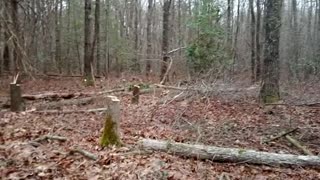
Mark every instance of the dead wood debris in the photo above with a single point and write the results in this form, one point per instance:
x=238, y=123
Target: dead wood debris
x=280, y=135
x=84, y=153
x=298, y=145
x=50, y=137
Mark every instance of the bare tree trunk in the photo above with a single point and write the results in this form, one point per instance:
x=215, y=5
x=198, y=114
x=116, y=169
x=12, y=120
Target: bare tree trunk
x=318, y=37
x=149, y=38
x=165, y=39
x=295, y=38
x=269, y=92
x=69, y=59
x=229, y=31
x=88, y=76
x=258, y=47
x=107, y=43
x=16, y=53
x=97, y=35
x=58, y=35
x=136, y=65
x=253, y=38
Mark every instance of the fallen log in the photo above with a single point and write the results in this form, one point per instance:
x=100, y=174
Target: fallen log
x=50, y=95
x=69, y=111
x=234, y=155
x=57, y=96
x=59, y=104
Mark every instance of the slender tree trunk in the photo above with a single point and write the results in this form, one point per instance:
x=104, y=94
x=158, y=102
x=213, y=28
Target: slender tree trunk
x=136, y=66
x=16, y=53
x=295, y=38
x=88, y=76
x=318, y=37
x=229, y=31
x=149, y=38
x=235, y=43
x=107, y=44
x=253, y=38
x=97, y=35
x=269, y=92
x=58, y=35
x=258, y=46
x=165, y=38
x=69, y=59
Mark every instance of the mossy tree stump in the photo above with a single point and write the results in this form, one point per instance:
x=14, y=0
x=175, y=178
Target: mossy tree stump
x=135, y=94
x=16, y=101
x=111, y=130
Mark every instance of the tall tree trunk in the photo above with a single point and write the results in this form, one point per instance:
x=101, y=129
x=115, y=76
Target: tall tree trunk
x=318, y=37
x=269, y=92
x=165, y=38
x=16, y=52
x=235, y=43
x=136, y=66
x=295, y=38
x=229, y=14
x=97, y=35
x=58, y=35
x=88, y=76
x=253, y=38
x=149, y=37
x=107, y=43
x=258, y=47
x=69, y=59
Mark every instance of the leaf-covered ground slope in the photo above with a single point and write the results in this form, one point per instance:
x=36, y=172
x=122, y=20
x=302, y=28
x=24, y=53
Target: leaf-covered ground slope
x=160, y=115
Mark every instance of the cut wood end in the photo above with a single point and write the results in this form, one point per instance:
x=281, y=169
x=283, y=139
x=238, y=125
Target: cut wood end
x=113, y=98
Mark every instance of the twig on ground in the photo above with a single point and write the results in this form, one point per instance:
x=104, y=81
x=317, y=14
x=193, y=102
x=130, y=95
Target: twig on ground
x=49, y=137
x=85, y=154
x=298, y=145
x=280, y=135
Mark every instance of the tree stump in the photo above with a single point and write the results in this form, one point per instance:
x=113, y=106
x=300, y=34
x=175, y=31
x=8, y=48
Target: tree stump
x=111, y=130
x=135, y=94
x=16, y=101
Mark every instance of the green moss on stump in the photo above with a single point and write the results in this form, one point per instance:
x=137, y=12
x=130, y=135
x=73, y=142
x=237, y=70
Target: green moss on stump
x=110, y=136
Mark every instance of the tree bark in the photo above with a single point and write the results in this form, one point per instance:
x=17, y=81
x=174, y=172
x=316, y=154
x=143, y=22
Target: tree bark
x=88, y=76
x=149, y=38
x=258, y=46
x=58, y=18
x=97, y=36
x=165, y=39
x=269, y=92
x=16, y=102
x=233, y=155
x=253, y=38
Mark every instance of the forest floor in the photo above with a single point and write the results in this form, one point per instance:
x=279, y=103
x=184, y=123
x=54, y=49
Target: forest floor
x=224, y=119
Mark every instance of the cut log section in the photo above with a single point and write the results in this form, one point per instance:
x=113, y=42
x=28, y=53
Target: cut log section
x=234, y=155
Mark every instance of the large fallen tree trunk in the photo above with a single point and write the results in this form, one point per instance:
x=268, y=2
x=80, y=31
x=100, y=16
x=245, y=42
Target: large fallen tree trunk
x=229, y=154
